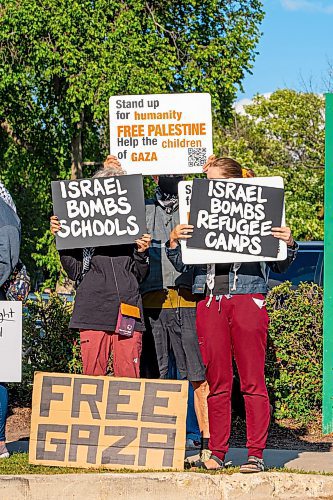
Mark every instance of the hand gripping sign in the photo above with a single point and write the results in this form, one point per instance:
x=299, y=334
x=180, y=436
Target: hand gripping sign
x=161, y=133
x=81, y=421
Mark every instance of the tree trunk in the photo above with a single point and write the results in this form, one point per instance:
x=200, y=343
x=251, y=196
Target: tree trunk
x=76, y=150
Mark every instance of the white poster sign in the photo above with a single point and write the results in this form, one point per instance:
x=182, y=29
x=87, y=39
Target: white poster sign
x=10, y=341
x=161, y=133
x=201, y=256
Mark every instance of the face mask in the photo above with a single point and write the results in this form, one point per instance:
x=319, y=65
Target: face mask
x=169, y=185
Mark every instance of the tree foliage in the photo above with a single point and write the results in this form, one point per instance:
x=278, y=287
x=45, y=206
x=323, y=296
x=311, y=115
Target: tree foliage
x=283, y=134
x=61, y=61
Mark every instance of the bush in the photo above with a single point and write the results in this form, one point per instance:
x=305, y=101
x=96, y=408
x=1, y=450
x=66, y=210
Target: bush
x=294, y=356
x=48, y=344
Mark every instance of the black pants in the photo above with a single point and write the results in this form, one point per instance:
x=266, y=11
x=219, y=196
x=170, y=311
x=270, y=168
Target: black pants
x=174, y=329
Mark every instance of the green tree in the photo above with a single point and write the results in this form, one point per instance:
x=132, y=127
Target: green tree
x=283, y=134
x=61, y=61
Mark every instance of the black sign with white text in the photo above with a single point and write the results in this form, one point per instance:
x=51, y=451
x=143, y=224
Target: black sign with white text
x=235, y=217
x=99, y=212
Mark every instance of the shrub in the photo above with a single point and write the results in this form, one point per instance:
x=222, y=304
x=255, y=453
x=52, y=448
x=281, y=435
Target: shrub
x=294, y=356
x=48, y=344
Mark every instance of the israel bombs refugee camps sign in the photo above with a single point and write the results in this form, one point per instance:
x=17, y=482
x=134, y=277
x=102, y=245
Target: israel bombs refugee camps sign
x=232, y=220
x=10, y=341
x=161, y=133
x=99, y=212
x=81, y=421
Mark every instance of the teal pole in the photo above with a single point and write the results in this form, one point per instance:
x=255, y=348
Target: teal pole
x=328, y=273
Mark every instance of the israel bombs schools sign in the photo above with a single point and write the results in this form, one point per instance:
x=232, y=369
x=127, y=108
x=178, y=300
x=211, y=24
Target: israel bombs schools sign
x=81, y=421
x=99, y=212
x=10, y=341
x=161, y=133
x=232, y=220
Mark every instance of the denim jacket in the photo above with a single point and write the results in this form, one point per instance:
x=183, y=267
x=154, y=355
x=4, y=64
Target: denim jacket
x=248, y=277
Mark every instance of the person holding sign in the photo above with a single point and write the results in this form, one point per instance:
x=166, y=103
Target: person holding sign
x=232, y=322
x=108, y=306
x=170, y=307
x=10, y=235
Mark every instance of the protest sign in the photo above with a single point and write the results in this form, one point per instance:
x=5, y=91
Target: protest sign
x=81, y=421
x=161, y=133
x=10, y=341
x=99, y=212
x=239, y=247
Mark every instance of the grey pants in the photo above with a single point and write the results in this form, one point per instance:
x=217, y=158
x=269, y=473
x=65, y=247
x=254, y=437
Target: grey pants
x=174, y=329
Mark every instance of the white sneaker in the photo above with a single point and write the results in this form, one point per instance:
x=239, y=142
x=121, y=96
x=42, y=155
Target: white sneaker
x=4, y=453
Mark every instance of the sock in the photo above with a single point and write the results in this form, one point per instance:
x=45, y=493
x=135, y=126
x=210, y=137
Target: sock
x=204, y=443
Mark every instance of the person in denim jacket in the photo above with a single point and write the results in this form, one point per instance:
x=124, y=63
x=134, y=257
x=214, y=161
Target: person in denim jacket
x=232, y=323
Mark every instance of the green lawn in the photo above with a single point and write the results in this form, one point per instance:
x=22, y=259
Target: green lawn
x=18, y=464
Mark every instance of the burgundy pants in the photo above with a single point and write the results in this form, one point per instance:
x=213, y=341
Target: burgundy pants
x=235, y=327
x=96, y=347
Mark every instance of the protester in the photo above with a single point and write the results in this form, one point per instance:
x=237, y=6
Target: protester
x=106, y=277
x=10, y=235
x=170, y=307
x=232, y=322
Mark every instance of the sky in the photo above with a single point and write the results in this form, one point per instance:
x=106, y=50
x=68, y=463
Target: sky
x=295, y=48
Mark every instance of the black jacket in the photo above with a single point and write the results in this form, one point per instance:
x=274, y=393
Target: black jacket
x=97, y=302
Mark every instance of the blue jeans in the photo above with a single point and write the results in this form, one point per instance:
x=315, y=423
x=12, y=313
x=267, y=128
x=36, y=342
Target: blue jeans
x=3, y=410
x=192, y=427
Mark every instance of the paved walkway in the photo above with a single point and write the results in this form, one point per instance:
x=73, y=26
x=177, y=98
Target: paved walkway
x=308, y=461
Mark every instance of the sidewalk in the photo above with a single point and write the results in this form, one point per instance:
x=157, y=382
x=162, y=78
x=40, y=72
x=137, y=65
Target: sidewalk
x=308, y=461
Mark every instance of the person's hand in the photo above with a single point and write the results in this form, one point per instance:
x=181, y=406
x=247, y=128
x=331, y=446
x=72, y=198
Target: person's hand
x=143, y=243
x=55, y=225
x=208, y=163
x=284, y=234
x=180, y=232
x=111, y=161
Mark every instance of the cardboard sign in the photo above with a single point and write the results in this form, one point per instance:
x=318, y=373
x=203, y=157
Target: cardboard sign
x=212, y=255
x=81, y=421
x=99, y=212
x=10, y=341
x=161, y=133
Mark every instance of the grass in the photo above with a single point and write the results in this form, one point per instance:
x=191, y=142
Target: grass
x=18, y=464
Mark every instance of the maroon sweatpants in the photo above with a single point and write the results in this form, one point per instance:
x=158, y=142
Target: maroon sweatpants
x=96, y=347
x=235, y=327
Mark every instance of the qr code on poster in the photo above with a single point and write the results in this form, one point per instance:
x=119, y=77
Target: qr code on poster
x=197, y=157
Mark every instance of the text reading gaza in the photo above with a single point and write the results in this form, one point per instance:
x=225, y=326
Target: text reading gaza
x=115, y=202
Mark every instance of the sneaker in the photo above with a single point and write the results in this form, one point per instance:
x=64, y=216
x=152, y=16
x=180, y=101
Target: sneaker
x=4, y=453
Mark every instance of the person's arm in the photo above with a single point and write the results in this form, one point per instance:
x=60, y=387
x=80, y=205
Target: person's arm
x=141, y=257
x=9, y=251
x=72, y=262
x=282, y=266
x=284, y=234
x=173, y=249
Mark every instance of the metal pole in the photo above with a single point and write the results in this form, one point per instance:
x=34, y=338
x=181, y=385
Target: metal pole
x=328, y=273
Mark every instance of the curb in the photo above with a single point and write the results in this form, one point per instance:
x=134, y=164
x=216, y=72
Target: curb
x=166, y=486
